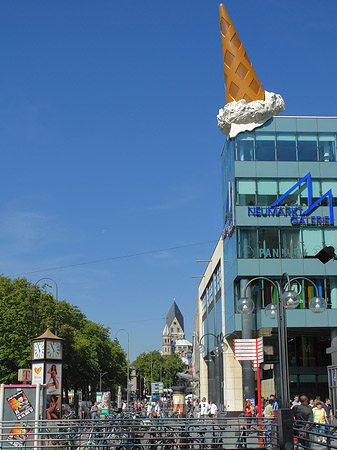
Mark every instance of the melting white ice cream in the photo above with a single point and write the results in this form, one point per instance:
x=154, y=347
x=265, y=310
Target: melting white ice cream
x=236, y=117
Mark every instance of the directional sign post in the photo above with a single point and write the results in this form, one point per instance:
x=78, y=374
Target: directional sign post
x=251, y=350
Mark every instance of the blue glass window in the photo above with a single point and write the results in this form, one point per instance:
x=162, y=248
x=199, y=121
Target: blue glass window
x=247, y=243
x=266, y=192
x=327, y=147
x=312, y=241
x=307, y=146
x=244, y=146
x=286, y=146
x=269, y=243
x=246, y=192
x=265, y=146
x=218, y=316
x=291, y=246
x=326, y=186
x=292, y=198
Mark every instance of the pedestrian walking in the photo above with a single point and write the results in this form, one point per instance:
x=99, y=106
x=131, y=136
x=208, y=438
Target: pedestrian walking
x=157, y=409
x=197, y=410
x=269, y=415
x=149, y=409
x=320, y=419
x=213, y=412
x=248, y=408
x=203, y=408
x=94, y=411
x=296, y=401
x=303, y=414
x=328, y=409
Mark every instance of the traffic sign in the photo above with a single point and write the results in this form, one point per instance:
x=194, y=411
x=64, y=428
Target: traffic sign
x=157, y=388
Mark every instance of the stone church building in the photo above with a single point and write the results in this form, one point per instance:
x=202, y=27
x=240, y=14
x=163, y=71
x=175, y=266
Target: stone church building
x=174, y=335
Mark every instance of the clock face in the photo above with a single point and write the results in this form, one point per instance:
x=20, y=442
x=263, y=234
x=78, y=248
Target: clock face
x=39, y=350
x=53, y=349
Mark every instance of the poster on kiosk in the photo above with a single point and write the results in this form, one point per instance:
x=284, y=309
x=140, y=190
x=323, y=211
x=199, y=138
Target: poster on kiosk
x=20, y=404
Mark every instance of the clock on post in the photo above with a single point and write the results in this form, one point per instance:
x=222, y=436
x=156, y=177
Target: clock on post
x=47, y=370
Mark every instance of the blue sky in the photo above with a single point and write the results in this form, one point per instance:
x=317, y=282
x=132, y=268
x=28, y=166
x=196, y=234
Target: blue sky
x=109, y=141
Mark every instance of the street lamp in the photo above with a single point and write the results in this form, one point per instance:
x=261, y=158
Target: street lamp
x=101, y=375
x=287, y=298
x=220, y=347
x=326, y=254
x=56, y=298
x=127, y=365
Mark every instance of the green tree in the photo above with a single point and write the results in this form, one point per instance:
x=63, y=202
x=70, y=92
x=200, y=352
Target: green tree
x=25, y=312
x=165, y=365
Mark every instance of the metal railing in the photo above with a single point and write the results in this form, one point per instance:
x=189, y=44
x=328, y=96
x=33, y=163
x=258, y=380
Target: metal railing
x=141, y=434
x=309, y=435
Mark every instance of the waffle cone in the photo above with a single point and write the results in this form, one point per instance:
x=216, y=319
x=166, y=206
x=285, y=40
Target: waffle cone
x=240, y=77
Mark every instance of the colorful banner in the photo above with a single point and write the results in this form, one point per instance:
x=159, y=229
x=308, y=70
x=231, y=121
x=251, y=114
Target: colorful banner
x=19, y=434
x=53, y=385
x=20, y=404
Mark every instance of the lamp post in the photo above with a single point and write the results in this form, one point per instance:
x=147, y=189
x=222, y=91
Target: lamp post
x=56, y=297
x=101, y=375
x=127, y=365
x=221, y=347
x=286, y=299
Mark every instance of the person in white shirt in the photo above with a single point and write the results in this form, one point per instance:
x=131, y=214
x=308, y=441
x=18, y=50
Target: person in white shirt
x=203, y=408
x=157, y=409
x=214, y=410
x=149, y=409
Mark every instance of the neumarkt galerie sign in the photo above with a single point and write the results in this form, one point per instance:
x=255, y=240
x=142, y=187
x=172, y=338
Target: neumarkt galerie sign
x=298, y=215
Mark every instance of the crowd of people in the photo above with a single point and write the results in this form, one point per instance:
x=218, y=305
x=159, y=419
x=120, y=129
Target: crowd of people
x=308, y=413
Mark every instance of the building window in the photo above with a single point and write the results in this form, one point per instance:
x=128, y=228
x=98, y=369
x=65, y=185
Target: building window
x=315, y=192
x=246, y=192
x=307, y=146
x=286, y=146
x=178, y=330
x=330, y=237
x=292, y=198
x=265, y=146
x=269, y=243
x=312, y=241
x=266, y=192
x=326, y=186
x=171, y=330
x=327, y=147
x=244, y=146
x=291, y=246
x=247, y=243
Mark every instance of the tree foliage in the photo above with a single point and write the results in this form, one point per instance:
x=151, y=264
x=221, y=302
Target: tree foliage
x=165, y=365
x=25, y=312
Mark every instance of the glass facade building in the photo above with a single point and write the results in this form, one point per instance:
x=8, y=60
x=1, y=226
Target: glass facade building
x=280, y=209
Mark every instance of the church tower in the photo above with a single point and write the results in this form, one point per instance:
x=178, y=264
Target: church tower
x=173, y=331
x=166, y=346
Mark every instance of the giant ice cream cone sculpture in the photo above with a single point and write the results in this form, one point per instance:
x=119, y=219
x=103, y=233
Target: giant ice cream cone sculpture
x=240, y=77
x=248, y=105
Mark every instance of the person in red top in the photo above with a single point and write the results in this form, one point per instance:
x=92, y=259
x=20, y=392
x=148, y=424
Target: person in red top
x=248, y=408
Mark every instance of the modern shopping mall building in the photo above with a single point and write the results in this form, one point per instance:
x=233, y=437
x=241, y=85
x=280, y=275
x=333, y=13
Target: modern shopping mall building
x=280, y=209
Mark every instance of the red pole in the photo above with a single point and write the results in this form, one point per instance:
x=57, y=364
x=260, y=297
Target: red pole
x=258, y=392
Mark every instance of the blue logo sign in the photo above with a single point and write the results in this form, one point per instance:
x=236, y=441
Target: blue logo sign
x=298, y=214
